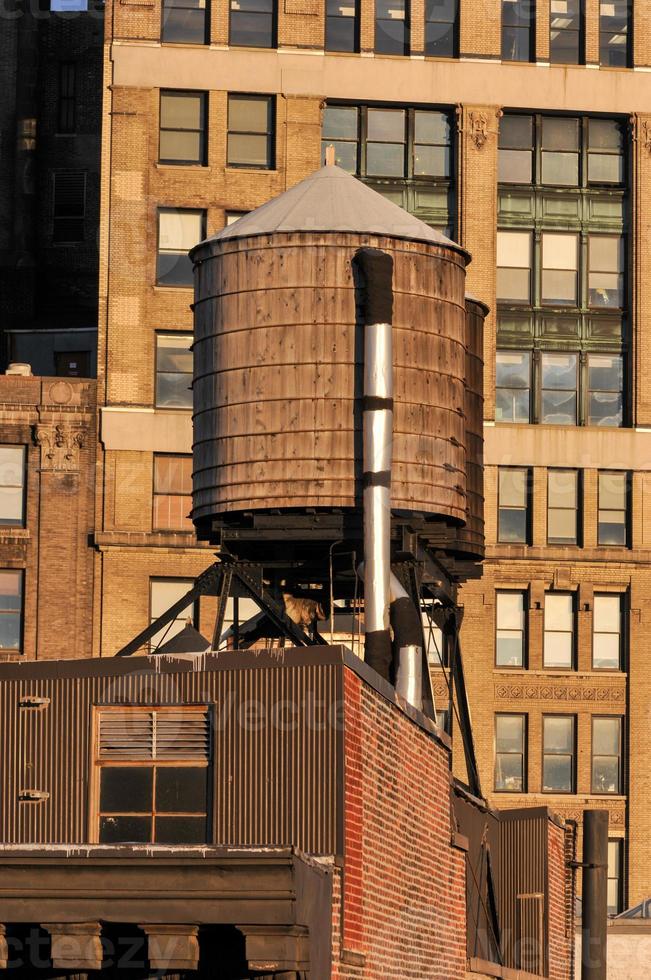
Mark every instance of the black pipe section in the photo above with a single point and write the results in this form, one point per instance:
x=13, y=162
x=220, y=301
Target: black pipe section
x=595, y=895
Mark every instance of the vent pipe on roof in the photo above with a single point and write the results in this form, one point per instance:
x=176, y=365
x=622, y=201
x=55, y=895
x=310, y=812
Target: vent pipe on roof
x=408, y=645
x=376, y=268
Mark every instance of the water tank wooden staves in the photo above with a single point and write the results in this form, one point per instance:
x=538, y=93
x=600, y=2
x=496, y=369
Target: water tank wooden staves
x=278, y=350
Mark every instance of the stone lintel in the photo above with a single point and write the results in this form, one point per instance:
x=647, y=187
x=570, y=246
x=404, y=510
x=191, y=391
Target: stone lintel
x=75, y=945
x=276, y=948
x=172, y=947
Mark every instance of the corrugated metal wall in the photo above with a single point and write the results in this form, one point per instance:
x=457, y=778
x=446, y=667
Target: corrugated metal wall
x=277, y=755
x=523, y=898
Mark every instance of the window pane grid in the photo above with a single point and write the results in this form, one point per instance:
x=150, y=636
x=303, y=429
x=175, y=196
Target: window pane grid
x=509, y=629
x=517, y=30
x=184, y=22
x=250, y=132
x=558, y=754
x=606, y=755
x=182, y=127
x=12, y=485
x=441, y=18
x=11, y=610
x=607, y=632
x=510, y=749
x=392, y=27
x=342, y=25
x=562, y=507
x=513, y=505
x=558, y=646
x=252, y=23
x=179, y=230
x=613, y=517
x=172, y=492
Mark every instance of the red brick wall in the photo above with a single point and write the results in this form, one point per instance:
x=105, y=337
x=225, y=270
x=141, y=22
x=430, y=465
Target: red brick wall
x=561, y=912
x=403, y=912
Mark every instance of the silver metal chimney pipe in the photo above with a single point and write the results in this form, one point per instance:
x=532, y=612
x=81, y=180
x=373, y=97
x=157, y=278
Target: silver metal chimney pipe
x=376, y=268
x=408, y=632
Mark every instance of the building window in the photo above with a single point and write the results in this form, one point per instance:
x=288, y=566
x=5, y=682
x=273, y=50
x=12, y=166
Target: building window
x=614, y=33
x=515, y=154
x=518, y=23
x=12, y=486
x=69, y=209
x=560, y=263
x=437, y=642
x=613, y=509
x=153, y=775
x=510, y=753
x=607, y=632
x=606, y=271
x=607, y=755
x=11, y=610
x=232, y=216
x=67, y=105
x=559, y=751
x=513, y=517
x=563, y=507
x=174, y=370
x=342, y=25
x=605, y=389
x=250, y=131
x=185, y=22
x=441, y=28
x=513, y=386
x=182, y=127
x=615, y=876
x=404, y=153
x=392, y=27
x=178, y=231
x=514, y=267
x=565, y=35
x=559, y=382
x=510, y=629
x=605, y=151
x=558, y=646
x=163, y=593
x=253, y=23
x=560, y=151
x=172, y=492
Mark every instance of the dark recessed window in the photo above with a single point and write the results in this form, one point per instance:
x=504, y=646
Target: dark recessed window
x=67, y=105
x=607, y=632
x=253, y=23
x=558, y=646
x=392, y=26
x=510, y=618
x=565, y=32
x=513, y=386
x=182, y=127
x=172, y=493
x=613, y=513
x=441, y=28
x=179, y=230
x=69, y=208
x=12, y=486
x=562, y=507
x=185, y=22
x=559, y=752
x=614, y=33
x=513, y=505
x=11, y=610
x=518, y=25
x=250, y=131
x=174, y=370
x=510, y=753
x=153, y=776
x=342, y=25
x=607, y=755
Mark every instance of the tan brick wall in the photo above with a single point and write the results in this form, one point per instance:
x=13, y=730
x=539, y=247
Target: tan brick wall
x=641, y=33
x=592, y=32
x=481, y=29
x=542, y=31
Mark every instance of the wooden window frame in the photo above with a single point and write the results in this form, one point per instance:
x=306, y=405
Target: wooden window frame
x=573, y=755
x=202, y=131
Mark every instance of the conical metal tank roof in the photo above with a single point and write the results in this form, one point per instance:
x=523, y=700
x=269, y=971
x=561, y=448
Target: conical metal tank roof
x=332, y=200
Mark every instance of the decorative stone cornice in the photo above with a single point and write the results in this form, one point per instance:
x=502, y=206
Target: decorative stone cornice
x=558, y=692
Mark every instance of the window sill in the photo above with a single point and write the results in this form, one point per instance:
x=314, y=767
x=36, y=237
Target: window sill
x=14, y=533
x=173, y=289
x=248, y=169
x=204, y=168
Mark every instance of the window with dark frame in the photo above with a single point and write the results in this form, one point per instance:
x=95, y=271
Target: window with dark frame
x=174, y=370
x=11, y=610
x=510, y=629
x=510, y=753
x=513, y=386
x=182, y=136
x=615, y=875
x=566, y=32
x=69, y=207
x=607, y=755
x=562, y=278
x=172, y=493
x=185, y=22
x=559, y=631
x=607, y=618
x=518, y=30
x=441, y=28
x=252, y=23
x=67, y=104
x=615, y=33
x=392, y=27
x=404, y=153
x=514, y=502
x=153, y=775
x=342, y=25
x=559, y=754
x=613, y=521
x=179, y=230
x=250, y=139
x=13, y=469
x=163, y=593
x=563, y=507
